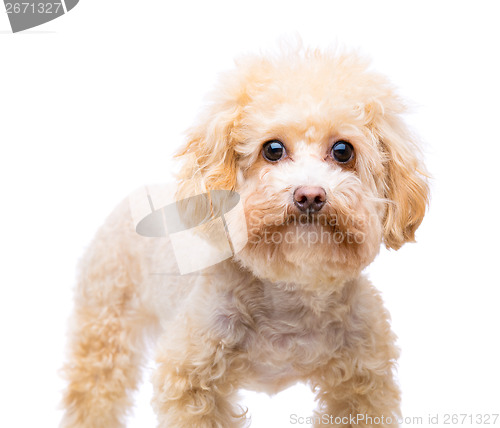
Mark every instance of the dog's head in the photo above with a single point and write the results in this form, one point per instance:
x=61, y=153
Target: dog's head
x=327, y=170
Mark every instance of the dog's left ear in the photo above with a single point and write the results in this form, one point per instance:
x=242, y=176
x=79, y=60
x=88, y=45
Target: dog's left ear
x=405, y=182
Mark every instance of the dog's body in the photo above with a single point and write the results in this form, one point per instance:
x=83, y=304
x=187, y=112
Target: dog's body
x=276, y=313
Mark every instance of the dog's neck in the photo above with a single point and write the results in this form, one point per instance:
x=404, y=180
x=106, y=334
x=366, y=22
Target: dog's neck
x=303, y=291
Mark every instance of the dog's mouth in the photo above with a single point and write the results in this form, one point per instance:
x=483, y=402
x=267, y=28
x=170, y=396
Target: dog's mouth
x=311, y=218
x=330, y=226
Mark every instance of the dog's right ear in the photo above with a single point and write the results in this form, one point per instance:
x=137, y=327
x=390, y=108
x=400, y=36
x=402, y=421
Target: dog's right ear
x=209, y=168
x=209, y=157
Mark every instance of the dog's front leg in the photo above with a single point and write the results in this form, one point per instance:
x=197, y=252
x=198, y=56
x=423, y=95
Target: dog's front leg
x=196, y=381
x=357, y=386
x=357, y=396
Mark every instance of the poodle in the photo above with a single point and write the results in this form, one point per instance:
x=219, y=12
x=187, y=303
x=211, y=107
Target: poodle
x=315, y=148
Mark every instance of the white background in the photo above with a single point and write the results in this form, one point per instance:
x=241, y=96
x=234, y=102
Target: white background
x=93, y=104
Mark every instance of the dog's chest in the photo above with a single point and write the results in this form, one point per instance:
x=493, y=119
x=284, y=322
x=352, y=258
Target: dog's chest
x=289, y=340
x=281, y=351
x=284, y=334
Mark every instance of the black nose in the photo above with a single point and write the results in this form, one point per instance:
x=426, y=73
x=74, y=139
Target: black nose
x=309, y=198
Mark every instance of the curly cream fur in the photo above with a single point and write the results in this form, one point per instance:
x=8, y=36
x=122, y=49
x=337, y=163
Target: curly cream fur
x=276, y=313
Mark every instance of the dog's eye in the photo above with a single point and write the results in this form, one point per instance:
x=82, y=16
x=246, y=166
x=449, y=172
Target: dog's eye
x=273, y=150
x=342, y=151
